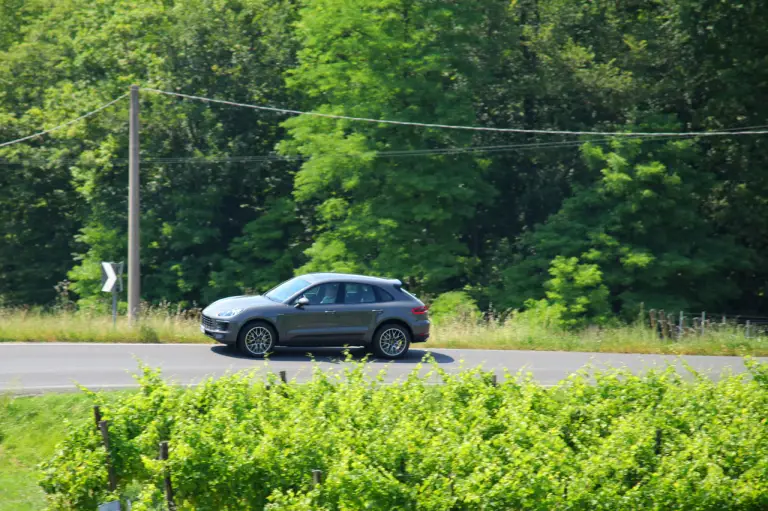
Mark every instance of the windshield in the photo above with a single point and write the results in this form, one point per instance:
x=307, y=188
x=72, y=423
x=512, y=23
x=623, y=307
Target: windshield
x=287, y=289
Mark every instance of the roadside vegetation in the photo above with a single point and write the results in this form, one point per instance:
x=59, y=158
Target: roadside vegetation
x=157, y=325
x=607, y=440
x=462, y=326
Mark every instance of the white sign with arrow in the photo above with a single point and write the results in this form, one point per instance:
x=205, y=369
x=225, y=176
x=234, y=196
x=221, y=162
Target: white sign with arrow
x=109, y=282
x=112, y=282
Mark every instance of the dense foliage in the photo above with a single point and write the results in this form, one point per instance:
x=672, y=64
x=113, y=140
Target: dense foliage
x=536, y=219
x=658, y=441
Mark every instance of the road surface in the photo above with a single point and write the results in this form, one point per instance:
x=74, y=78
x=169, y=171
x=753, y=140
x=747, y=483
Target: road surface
x=28, y=368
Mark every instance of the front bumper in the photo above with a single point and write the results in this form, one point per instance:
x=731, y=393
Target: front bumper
x=222, y=337
x=221, y=331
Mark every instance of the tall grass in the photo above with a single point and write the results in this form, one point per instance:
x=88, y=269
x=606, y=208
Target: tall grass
x=161, y=325
x=515, y=334
x=156, y=325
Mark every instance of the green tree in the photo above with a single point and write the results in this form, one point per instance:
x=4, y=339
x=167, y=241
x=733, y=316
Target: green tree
x=405, y=60
x=719, y=55
x=259, y=259
x=575, y=295
x=642, y=224
x=79, y=54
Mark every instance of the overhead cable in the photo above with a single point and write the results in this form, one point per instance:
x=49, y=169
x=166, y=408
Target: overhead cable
x=448, y=151
x=457, y=127
x=68, y=123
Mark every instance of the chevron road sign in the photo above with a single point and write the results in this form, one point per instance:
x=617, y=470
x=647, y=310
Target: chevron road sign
x=112, y=282
x=111, y=277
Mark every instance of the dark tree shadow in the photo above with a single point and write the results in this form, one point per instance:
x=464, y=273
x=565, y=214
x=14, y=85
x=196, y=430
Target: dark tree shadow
x=333, y=355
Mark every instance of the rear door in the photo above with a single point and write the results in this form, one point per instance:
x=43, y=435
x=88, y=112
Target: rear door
x=358, y=310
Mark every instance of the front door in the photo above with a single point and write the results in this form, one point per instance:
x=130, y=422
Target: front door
x=315, y=323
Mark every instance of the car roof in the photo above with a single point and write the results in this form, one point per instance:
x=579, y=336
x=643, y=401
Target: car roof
x=347, y=277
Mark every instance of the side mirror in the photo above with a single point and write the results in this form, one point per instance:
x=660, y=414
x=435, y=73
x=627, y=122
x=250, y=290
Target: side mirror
x=301, y=302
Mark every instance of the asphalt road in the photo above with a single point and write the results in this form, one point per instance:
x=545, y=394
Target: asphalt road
x=28, y=368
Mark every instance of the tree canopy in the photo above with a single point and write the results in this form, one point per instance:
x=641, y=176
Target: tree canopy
x=235, y=200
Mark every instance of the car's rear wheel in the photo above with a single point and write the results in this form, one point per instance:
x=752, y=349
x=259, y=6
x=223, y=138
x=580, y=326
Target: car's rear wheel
x=391, y=341
x=257, y=339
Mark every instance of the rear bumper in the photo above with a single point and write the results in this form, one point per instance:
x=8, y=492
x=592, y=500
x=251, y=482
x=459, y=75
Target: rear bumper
x=420, y=330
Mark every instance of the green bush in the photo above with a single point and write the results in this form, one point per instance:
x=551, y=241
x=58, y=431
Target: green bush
x=597, y=441
x=456, y=305
x=576, y=297
x=147, y=333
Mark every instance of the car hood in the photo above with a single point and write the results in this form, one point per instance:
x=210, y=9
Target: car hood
x=236, y=302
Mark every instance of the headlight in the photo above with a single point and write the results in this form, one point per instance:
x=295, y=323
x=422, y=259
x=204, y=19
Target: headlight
x=230, y=313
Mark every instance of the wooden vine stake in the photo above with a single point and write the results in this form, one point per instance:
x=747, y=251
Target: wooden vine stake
x=96, y=415
x=104, y=428
x=283, y=377
x=317, y=477
x=167, y=477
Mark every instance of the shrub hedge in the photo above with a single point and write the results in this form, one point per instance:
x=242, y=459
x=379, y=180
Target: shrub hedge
x=599, y=440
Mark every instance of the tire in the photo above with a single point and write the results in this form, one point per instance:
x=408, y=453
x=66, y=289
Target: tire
x=257, y=339
x=388, y=334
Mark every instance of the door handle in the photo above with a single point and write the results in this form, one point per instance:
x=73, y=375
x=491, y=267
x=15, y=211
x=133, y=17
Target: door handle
x=330, y=312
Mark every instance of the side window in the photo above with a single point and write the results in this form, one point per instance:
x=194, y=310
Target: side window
x=359, y=293
x=323, y=294
x=382, y=295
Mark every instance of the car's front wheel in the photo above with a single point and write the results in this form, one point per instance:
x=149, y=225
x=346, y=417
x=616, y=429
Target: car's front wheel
x=257, y=339
x=391, y=341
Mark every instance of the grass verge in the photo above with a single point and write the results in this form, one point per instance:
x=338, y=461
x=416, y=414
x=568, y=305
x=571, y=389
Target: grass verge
x=17, y=325
x=520, y=335
x=512, y=334
x=30, y=429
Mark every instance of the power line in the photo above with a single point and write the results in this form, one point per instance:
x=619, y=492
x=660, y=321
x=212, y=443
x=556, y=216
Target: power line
x=456, y=127
x=725, y=132
x=45, y=132
x=376, y=154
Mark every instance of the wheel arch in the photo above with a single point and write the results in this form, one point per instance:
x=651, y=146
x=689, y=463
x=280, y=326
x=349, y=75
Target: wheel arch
x=251, y=321
x=392, y=321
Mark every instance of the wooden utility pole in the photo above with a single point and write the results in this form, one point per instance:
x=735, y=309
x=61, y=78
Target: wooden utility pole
x=134, y=276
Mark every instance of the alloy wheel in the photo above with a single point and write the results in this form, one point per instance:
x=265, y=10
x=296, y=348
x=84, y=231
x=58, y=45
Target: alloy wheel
x=258, y=340
x=393, y=342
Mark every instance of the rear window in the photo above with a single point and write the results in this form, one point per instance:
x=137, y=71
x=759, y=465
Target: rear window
x=382, y=295
x=400, y=288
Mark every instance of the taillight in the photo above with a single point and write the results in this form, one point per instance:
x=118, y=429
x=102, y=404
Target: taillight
x=420, y=310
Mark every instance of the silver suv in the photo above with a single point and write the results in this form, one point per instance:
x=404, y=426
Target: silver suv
x=321, y=309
